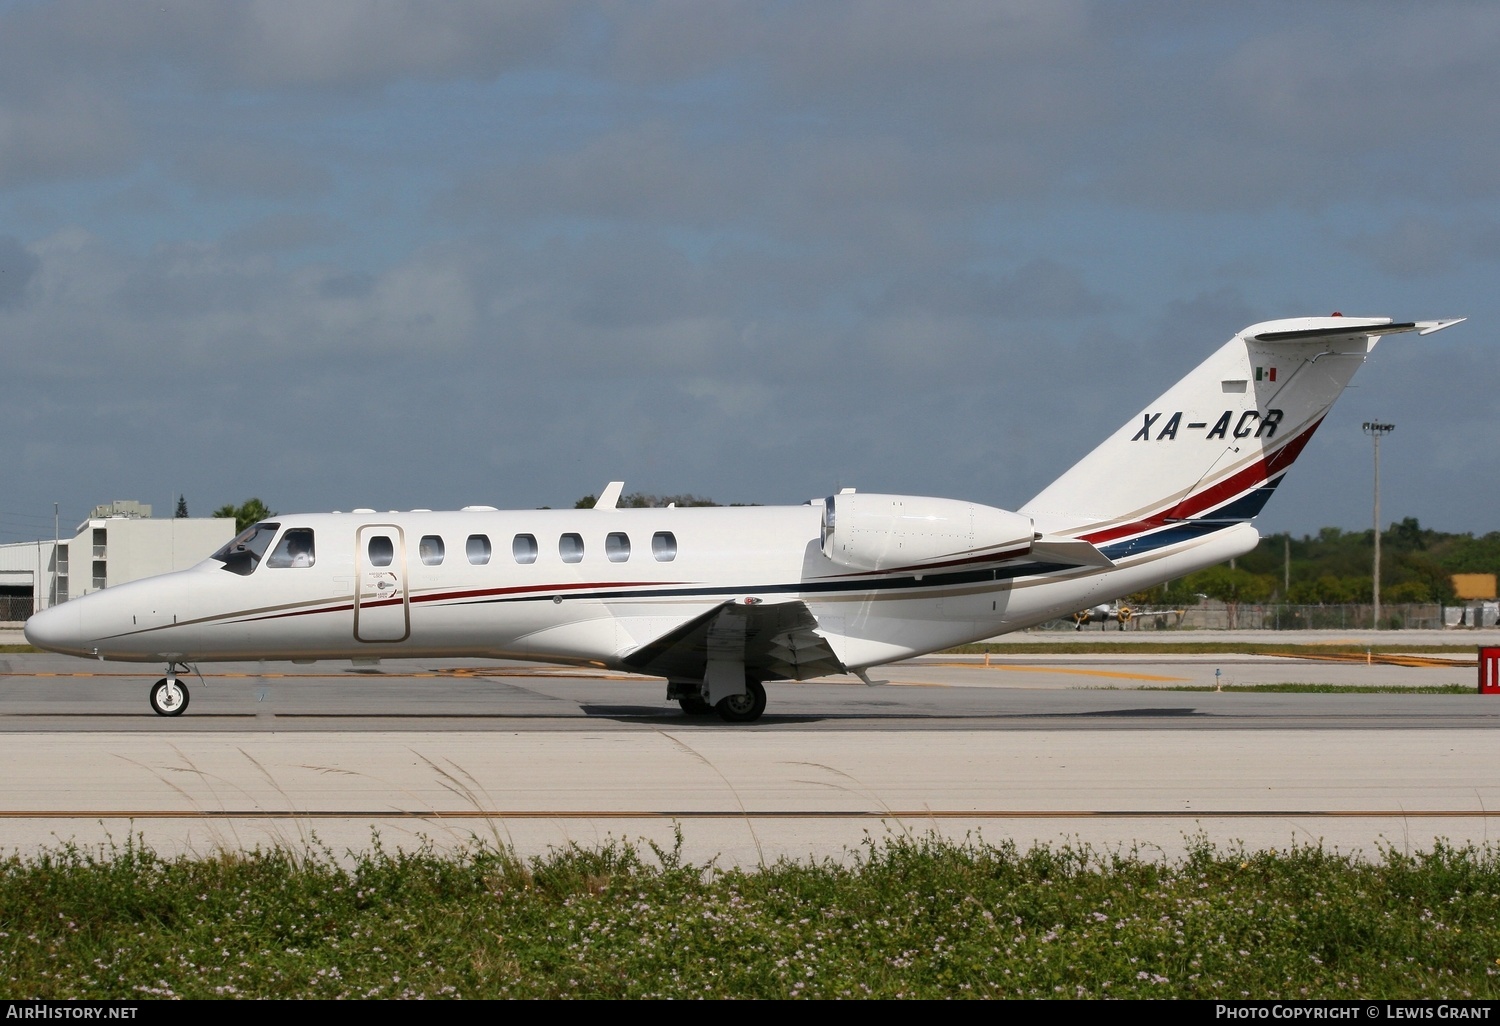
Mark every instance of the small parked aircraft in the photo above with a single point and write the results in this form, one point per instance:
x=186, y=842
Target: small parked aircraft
x=1122, y=614
x=1102, y=614
x=720, y=600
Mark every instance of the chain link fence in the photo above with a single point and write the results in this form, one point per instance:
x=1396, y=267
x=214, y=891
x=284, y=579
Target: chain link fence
x=1272, y=616
x=15, y=608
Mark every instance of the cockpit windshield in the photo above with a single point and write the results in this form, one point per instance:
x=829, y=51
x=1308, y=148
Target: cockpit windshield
x=242, y=555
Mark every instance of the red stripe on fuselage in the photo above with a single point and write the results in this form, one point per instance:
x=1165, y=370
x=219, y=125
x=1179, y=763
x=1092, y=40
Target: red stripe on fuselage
x=1257, y=473
x=452, y=595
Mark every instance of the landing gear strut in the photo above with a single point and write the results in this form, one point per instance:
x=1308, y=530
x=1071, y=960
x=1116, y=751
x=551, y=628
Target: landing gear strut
x=169, y=696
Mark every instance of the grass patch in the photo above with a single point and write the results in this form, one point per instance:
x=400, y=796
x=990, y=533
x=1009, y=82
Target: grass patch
x=1294, y=688
x=919, y=918
x=1202, y=648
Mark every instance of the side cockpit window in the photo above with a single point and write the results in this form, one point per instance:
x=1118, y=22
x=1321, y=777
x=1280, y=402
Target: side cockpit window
x=295, y=549
x=242, y=555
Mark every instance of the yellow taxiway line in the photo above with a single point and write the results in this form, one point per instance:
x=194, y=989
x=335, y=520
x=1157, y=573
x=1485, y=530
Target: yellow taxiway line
x=1116, y=674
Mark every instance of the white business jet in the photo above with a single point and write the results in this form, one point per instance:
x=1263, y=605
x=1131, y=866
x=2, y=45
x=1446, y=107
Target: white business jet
x=720, y=600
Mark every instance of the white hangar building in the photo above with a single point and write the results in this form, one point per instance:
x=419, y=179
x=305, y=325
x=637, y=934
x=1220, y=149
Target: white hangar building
x=119, y=542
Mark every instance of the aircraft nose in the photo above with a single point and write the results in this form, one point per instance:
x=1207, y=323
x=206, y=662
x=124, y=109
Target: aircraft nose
x=57, y=629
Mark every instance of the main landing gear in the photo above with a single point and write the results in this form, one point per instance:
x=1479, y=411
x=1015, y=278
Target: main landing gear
x=742, y=708
x=169, y=696
x=746, y=707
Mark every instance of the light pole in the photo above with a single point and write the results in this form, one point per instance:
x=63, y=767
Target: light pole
x=1375, y=429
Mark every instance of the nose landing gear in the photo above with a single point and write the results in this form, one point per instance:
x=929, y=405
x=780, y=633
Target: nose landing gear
x=169, y=696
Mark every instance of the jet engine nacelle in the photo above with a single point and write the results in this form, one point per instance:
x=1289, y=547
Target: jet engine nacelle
x=881, y=532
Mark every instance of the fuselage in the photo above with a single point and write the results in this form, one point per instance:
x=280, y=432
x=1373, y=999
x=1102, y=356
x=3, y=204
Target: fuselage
x=570, y=586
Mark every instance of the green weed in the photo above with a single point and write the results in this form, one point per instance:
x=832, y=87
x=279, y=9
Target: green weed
x=901, y=917
x=1295, y=688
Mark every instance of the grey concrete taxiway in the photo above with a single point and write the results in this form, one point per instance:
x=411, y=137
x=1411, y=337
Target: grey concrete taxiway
x=1080, y=747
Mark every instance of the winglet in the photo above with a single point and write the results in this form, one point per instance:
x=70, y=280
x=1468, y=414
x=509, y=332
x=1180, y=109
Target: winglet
x=610, y=496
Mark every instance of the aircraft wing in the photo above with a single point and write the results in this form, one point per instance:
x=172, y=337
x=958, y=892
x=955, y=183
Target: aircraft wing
x=780, y=642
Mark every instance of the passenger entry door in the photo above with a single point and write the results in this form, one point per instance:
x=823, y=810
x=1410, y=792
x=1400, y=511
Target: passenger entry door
x=382, y=605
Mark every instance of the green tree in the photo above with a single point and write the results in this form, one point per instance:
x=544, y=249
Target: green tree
x=1231, y=587
x=1407, y=535
x=1334, y=566
x=182, y=513
x=644, y=500
x=1407, y=591
x=1327, y=590
x=1173, y=593
x=251, y=511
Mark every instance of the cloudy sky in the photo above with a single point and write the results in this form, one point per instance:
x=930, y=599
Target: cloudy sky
x=339, y=254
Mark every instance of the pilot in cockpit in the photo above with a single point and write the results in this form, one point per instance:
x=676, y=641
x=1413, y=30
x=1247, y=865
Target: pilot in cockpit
x=301, y=551
x=296, y=549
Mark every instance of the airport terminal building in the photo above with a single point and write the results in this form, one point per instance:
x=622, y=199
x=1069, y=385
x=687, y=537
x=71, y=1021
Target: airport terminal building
x=119, y=542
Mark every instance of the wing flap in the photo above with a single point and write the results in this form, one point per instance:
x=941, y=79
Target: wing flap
x=781, y=641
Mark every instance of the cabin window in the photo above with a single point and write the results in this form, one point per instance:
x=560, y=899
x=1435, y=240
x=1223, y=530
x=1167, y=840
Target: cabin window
x=664, y=546
x=617, y=547
x=570, y=548
x=430, y=549
x=478, y=549
x=523, y=547
x=294, y=549
x=242, y=555
x=382, y=551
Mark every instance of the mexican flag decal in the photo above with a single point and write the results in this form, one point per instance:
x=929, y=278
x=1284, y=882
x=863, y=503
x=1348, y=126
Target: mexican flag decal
x=1265, y=374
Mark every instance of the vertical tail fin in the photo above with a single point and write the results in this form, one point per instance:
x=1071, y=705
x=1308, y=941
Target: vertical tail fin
x=1212, y=449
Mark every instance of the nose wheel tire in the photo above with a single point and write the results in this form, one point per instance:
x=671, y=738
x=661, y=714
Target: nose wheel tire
x=745, y=708
x=169, y=697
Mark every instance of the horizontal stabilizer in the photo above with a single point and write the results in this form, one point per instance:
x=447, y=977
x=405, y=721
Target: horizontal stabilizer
x=1341, y=329
x=1053, y=548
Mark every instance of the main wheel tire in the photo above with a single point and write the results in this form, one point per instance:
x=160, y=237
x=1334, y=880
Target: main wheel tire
x=169, y=698
x=745, y=708
x=695, y=705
